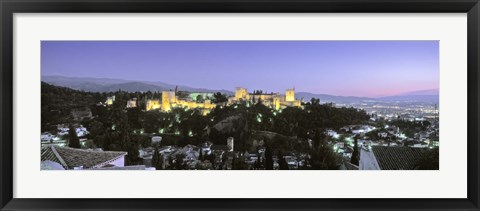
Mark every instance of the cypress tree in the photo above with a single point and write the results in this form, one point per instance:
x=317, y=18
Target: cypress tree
x=157, y=159
x=73, y=140
x=200, y=156
x=224, y=161
x=355, y=155
x=268, y=159
x=316, y=139
x=282, y=163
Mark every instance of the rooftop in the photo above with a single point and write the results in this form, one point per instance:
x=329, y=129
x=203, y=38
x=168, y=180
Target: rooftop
x=71, y=157
x=398, y=158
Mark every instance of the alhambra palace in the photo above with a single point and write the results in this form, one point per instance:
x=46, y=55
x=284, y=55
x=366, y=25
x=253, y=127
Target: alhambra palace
x=275, y=101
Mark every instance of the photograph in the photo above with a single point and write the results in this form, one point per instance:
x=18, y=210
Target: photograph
x=240, y=105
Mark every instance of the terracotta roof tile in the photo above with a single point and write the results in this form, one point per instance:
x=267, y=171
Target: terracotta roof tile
x=71, y=157
x=398, y=158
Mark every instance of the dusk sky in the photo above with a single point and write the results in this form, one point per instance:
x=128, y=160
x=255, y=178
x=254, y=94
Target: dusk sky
x=347, y=68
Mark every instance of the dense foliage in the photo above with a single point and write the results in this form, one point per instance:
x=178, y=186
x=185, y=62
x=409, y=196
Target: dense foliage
x=411, y=127
x=58, y=102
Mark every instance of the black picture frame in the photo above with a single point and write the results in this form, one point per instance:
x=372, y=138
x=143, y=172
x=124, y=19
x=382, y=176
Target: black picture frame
x=9, y=7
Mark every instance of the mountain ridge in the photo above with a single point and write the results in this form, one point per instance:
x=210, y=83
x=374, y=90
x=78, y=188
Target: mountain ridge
x=112, y=85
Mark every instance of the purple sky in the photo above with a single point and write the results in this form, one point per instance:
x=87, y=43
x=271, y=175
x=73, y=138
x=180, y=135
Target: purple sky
x=348, y=68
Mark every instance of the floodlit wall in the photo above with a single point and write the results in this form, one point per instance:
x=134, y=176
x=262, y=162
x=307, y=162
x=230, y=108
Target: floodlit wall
x=168, y=98
x=241, y=93
x=152, y=105
x=131, y=104
x=290, y=95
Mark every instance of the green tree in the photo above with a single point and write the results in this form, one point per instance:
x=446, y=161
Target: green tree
x=96, y=128
x=200, y=99
x=224, y=162
x=324, y=158
x=356, y=154
x=157, y=159
x=134, y=117
x=315, y=101
x=73, y=140
x=179, y=161
x=200, y=155
x=317, y=138
x=132, y=156
x=151, y=121
x=268, y=159
x=99, y=140
x=123, y=131
x=282, y=163
x=219, y=98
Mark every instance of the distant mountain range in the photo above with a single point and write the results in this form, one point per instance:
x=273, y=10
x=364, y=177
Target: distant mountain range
x=429, y=96
x=112, y=85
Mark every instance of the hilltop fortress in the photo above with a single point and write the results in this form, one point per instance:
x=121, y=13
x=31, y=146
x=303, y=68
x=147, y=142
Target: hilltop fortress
x=273, y=100
x=169, y=100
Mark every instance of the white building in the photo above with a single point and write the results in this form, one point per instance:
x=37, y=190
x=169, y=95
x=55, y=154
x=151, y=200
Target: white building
x=46, y=137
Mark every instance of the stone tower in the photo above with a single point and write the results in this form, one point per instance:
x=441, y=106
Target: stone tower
x=240, y=93
x=168, y=97
x=290, y=95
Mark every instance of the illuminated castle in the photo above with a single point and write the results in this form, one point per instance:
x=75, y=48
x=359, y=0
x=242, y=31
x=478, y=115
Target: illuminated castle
x=290, y=98
x=272, y=100
x=290, y=95
x=241, y=94
x=153, y=105
x=170, y=101
x=201, y=101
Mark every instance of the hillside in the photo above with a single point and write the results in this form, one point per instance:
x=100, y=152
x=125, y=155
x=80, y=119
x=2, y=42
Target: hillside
x=58, y=102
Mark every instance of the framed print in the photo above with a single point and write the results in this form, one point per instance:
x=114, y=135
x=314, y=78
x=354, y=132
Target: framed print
x=250, y=105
